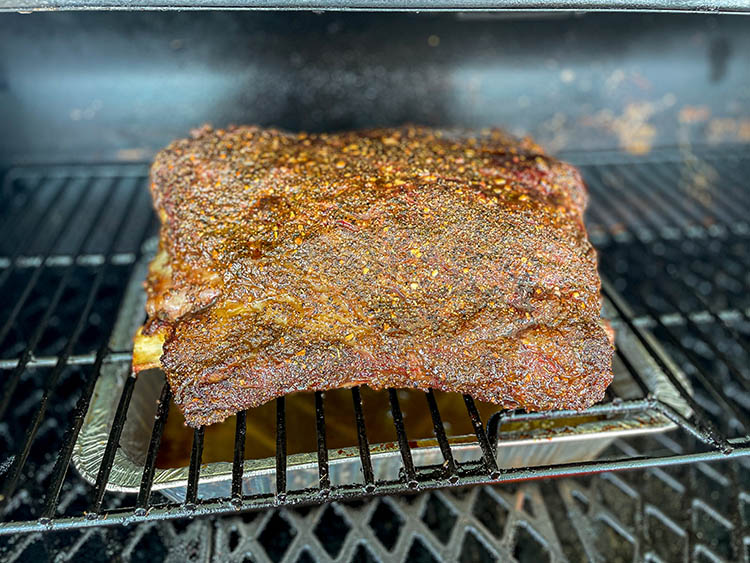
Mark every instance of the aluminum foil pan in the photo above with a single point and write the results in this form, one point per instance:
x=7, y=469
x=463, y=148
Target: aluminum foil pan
x=578, y=439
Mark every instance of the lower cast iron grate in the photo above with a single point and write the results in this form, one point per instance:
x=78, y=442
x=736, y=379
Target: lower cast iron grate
x=672, y=232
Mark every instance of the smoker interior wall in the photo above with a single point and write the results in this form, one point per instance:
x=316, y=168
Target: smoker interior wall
x=117, y=86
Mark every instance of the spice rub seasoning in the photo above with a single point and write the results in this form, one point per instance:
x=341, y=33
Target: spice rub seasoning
x=406, y=257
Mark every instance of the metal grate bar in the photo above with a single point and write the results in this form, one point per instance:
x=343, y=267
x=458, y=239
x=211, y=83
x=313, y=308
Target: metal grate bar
x=635, y=209
x=238, y=462
x=19, y=461
x=597, y=181
x=719, y=268
x=737, y=185
x=15, y=377
x=37, y=231
x=403, y=441
x=668, y=202
x=281, y=447
x=60, y=260
x=73, y=360
x=610, y=188
x=113, y=442
x=739, y=448
x=704, y=377
x=647, y=405
x=740, y=377
x=600, y=217
x=740, y=339
x=449, y=465
x=149, y=469
x=19, y=217
x=716, y=266
x=744, y=260
x=671, y=175
x=320, y=431
x=639, y=199
x=602, y=182
x=364, y=446
x=639, y=187
x=488, y=456
x=704, y=422
x=66, y=451
x=697, y=431
x=196, y=456
x=617, y=212
x=656, y=201
x=32, y=282
x=633, y=372
x=665, y=202
x=602, y=409
x=695, y=208
x=720, y=201
x=63, y=459
x=735, y=513
x=618, y=408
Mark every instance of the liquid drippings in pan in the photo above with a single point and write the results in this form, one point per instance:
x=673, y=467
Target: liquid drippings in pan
x=341, y=430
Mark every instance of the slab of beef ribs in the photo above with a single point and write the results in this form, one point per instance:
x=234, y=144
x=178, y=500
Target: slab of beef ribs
x=400, y=258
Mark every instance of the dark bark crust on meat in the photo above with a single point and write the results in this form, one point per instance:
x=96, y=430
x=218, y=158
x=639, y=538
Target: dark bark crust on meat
x=394, y=258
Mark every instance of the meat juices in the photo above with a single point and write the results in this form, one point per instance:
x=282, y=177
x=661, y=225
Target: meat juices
x=406, y=257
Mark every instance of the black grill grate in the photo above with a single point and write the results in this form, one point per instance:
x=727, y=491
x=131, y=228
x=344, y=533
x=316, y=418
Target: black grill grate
x=673, y=245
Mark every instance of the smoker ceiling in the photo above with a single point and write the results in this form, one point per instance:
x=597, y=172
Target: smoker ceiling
x=705, y=6
x=112, y=86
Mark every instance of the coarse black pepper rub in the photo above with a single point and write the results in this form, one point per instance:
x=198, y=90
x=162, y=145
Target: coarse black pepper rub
x=403, y=257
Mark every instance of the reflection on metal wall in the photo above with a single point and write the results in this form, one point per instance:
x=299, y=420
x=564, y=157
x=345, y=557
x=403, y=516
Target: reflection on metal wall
x=117, y=86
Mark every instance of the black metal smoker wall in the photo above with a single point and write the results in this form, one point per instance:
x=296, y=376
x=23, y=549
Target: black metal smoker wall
x=117, y=86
